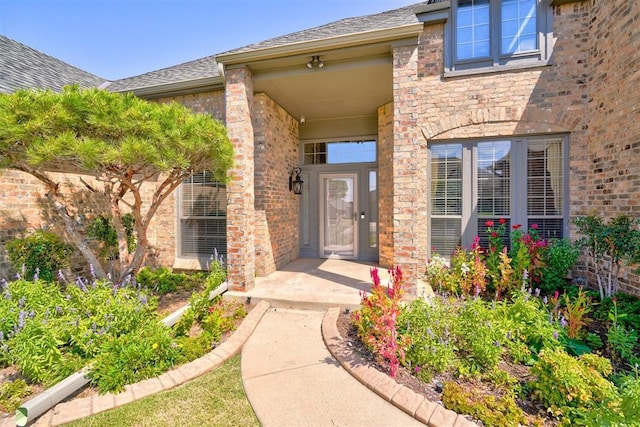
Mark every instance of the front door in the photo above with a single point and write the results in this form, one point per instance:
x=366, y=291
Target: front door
x=338, y=216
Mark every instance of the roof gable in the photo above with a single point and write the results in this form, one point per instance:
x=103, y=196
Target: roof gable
x=24, y=67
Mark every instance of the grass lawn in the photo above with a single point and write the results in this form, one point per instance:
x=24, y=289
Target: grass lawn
x=215, y=399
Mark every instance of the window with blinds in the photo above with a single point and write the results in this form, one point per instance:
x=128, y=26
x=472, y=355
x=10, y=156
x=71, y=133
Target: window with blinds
x=203, y=216
x=519, y=181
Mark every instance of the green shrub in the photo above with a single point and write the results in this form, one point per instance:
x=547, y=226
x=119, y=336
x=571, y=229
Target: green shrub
x=41, y=254
x=12, y=393
x=133, y=357
x=479, y=338
x=528, y=330
x=623, y=411
x=192, y=348
x=37, y=351
x=568, y=385
x=559, y=257
x=102, y=230
x=492, y=411
x=163, y=280
x=428, y=325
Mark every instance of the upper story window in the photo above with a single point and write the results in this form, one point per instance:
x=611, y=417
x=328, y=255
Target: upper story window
x=485, y=34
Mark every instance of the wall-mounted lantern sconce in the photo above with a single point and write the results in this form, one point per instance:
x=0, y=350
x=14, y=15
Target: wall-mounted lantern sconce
x=295, y=185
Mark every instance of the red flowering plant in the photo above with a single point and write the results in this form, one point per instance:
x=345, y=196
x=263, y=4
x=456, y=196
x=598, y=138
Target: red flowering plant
x=375, y=321
x=527, y=254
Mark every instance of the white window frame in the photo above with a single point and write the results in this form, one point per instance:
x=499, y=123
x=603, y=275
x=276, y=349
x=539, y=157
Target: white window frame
x=498, y=61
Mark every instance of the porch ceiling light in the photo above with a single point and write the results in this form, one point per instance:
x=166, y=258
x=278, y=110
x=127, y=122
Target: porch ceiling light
x=315, y=60
x=295, y=185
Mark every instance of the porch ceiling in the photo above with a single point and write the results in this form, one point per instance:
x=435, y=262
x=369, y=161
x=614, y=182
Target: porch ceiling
x=353, y=83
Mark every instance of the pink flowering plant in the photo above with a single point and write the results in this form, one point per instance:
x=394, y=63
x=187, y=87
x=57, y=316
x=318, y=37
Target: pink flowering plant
x=376, y=320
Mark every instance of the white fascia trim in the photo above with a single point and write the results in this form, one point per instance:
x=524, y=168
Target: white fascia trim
x=367, y=37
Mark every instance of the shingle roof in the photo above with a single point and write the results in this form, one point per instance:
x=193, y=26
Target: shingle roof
x=207, y=67
x=193, y=70
x=24, y=67
x=379, y=21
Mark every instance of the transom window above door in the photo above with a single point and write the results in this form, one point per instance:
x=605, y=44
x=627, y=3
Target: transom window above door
x=337, y=152
x=519, y=180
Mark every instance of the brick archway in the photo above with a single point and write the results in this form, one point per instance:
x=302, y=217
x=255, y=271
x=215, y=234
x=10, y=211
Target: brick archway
x=499, y=121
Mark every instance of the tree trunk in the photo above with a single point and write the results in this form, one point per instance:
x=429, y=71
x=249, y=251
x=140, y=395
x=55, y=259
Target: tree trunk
x=61, y=209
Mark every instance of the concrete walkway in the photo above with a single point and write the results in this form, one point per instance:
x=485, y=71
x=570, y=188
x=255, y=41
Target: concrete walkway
x=291, y=379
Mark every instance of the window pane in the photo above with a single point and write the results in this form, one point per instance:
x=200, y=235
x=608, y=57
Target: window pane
x=472, y=29
x=203, y=210
x=315, y=153
x=483, y=231
x=445, y=236
x=519, y=30
x=545, y=183
x=548, y=228
x=351, y=152
x=203, y=237
x=446, y=198
x=494, y=179
x=373, y=209
x=446, y=179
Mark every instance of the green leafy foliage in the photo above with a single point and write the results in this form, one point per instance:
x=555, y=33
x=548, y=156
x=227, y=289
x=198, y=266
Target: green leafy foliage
x=102, y=230
x=11, y=394
x=499, y=412
x=621, y=339
x=560, y=256
x=123, y=141
x=478, y=336
x=162, y=280
x=622, y=411
x=609, y=244
x=41, y=253
x=569, y=385
x=428, y=324
x=129, y=358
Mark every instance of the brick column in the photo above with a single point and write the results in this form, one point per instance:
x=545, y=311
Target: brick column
x=240, y=190
x=409, y=168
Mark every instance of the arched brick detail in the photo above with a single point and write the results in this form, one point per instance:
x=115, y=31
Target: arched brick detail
x=499, y=121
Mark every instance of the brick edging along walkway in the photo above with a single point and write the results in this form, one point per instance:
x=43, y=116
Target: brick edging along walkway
x=83, y=407
x=416, y=405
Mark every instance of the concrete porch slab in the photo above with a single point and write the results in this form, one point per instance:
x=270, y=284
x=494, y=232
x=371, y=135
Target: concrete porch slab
x=313, y=284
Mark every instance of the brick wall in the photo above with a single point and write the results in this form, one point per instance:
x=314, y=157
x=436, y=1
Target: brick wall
x=277, y=209
x=241, y=268
x=613, y=169
x=385, y=185
x=163, y=229
x=409, y=165
x=429, y=106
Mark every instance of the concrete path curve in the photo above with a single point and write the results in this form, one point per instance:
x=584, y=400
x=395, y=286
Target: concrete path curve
x=291, y=379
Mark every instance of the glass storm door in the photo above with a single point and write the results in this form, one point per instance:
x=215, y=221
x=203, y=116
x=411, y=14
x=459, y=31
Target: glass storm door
x=338, y=216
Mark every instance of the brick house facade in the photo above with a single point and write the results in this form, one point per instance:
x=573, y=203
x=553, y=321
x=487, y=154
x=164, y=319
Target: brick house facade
x=536, y=133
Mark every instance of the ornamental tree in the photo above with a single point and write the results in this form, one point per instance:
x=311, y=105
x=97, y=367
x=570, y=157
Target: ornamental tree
x=119, y=140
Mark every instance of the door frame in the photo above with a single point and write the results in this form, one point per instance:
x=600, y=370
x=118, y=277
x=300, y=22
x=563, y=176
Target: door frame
x=322, y=217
